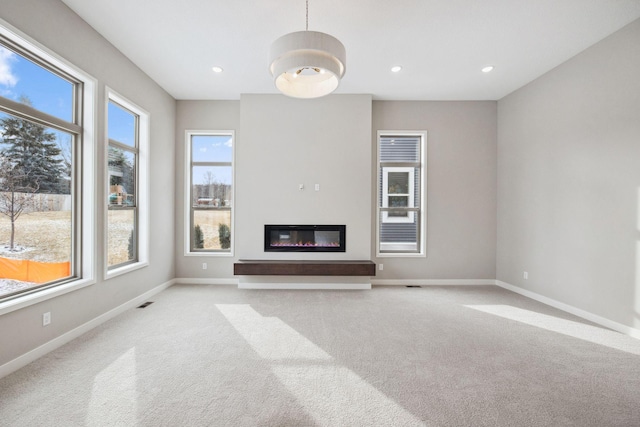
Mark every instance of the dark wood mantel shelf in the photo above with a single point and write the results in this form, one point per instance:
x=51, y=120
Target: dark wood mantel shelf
x=303, y=268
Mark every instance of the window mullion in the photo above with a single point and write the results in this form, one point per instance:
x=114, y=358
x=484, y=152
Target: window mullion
x=23, y=111
x=401, y=164
x=121, y=146
x=211, y=164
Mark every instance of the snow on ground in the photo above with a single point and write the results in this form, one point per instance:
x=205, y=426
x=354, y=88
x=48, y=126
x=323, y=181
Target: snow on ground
x=8, y=286
x=6, y=250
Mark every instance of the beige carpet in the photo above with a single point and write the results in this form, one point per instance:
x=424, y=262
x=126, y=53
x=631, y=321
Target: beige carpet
x=393, y=356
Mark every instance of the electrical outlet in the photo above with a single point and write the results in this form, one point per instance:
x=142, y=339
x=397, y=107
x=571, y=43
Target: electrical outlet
x=380, y=267
x=46, y=318
x=526, y=275
x=204, y=265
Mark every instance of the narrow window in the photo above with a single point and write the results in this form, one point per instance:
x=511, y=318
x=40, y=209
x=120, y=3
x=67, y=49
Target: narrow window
x=210, y=192
x=45, y=192
x=401, y=218
x=126, y=196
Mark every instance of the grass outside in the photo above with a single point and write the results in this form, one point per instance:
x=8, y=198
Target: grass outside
x=39, y=236
x=121, y=224
x=46, y=237
x=209, y=220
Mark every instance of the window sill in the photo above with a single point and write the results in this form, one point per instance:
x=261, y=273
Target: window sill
x=401, y=254
x=110, y=274
x=40, y=296
x=209, y=254
x=399, y=249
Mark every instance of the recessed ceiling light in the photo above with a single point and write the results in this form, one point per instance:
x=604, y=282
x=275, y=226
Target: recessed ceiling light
x=487, y=69
x=396, y=69
x=217, y=69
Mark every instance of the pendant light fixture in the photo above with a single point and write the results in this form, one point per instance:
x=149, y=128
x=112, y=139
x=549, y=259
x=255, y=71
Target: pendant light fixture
x=307, y=64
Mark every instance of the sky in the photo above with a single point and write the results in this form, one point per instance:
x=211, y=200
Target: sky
x=212, y=148
x=54, y=95
x=122, y=125
x=47, y=92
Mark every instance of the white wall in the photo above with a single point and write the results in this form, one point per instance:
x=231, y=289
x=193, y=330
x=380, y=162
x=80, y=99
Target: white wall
x=461, y=188
x=285, y=142
x=281, y=143
x=569, y=181
x=56, y=27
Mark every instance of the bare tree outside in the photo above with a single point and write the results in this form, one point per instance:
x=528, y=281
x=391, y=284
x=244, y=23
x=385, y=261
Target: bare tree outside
x=16, y=196
x=209, y=180
x=31, y=162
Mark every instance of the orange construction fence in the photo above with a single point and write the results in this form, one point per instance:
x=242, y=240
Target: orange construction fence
x=33, y=271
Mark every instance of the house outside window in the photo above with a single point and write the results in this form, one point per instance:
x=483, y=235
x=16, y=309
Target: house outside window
x=46, y=173
x=209, y=193
x=401, y=204
x=398, y=192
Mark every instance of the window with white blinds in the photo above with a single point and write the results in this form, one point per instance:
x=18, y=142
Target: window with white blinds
x=401, y=184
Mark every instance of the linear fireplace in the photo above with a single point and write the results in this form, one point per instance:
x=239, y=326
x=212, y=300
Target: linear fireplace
x=304, y=238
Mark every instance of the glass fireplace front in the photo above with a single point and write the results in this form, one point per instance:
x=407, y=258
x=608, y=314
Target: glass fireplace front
x=304, y=238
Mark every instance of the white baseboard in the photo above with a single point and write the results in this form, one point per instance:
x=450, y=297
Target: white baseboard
x=309, y=285
x=305, y=286
x=432, y=282
x=602, y=321
x=207, y=281
x=57, y=342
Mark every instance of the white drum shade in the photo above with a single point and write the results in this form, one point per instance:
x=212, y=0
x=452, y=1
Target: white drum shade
x=307, y=64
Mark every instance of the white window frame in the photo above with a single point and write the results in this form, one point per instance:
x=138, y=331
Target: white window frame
x=381, y=180
x=142, y=189
x=385, y=193
x=187, y=193
x=84, y=170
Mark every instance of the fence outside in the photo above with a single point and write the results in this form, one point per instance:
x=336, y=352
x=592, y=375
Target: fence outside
x=33, y=271
x=42, y=202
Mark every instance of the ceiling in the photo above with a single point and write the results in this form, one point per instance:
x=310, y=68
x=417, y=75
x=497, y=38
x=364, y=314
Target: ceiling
x=441, y=44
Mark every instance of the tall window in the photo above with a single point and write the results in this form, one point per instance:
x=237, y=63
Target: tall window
x=46, y=181
x=401, y=183
x=126, y=172
x=210, y=192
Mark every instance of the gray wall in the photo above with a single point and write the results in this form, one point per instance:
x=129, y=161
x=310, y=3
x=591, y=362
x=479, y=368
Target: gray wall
x=200, y=115
x=56, y=27
x=331, y=141
x=461, y=187
x=569, y=181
